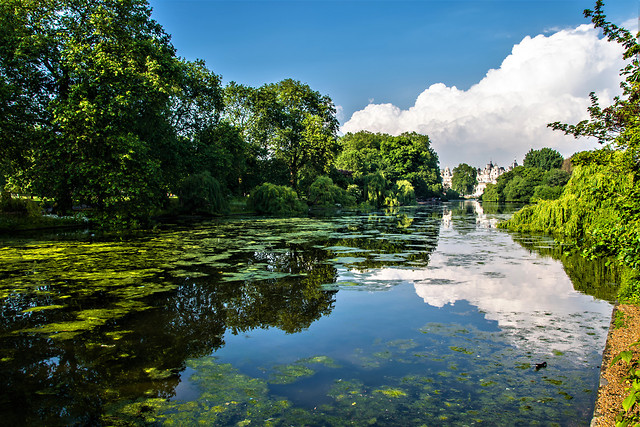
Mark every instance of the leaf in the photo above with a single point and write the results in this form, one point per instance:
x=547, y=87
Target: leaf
x=629, y=401
x=624, y=355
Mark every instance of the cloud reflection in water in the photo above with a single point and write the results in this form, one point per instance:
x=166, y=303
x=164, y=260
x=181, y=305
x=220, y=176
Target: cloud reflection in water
x=530, y=296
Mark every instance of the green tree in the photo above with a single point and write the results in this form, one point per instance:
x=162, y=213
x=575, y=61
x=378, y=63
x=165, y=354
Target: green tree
x=464, y=178
x=492, y=194
x=408, y=156
x=544, y=158
x=275, y=200
x=201, y=193
x=323, y=192
x=299, y=126
x=375, y=189
x=360, y=152
x=103, y=74
x=556, y=178
x=404, y=193
x=284, y=123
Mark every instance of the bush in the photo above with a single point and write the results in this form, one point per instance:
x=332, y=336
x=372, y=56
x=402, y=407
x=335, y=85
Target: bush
x=323, y=192
x=201, y=193
x=275, y=200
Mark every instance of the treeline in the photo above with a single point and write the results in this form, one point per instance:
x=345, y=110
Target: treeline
x=99, y=111
x=542, y=177
x=366, y=169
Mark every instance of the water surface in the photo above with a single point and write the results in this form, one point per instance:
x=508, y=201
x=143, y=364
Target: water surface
x=421, y=316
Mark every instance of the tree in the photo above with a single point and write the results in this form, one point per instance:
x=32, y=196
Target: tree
x=299, y=126
x=102, y=74
x=556, y=178
x=408, y=156
x=544, y=158
x=360, y=152
x=464, y=178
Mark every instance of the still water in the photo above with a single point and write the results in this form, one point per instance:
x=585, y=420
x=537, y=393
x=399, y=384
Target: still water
x=421, y=316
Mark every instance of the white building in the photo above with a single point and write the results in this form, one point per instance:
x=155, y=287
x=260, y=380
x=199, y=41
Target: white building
x=488, y=175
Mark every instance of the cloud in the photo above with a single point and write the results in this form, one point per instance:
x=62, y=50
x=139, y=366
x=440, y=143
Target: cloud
x=544, y=79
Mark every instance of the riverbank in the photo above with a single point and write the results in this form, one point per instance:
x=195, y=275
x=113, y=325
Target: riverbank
x=623, y=332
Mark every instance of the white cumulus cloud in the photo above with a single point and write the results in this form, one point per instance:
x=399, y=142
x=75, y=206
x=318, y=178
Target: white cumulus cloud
x=544, y=79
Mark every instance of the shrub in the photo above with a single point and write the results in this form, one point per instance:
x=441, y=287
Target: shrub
x=275, y=200
x=201, y=193
x=323, y=192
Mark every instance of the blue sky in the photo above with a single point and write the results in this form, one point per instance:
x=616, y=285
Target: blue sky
x=365, y=53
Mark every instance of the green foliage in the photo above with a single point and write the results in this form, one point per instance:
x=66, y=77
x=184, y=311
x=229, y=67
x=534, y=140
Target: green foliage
x=201, y=193
x=19, y=206
x=545, y=192
x=492, y=194
x=375, y=189
x=451, y=194
x=545, y=159
x=464, y=178
x=323, y=192
x=275, y=200
x=355, y=191
x=407, y=157
x=103, y=77
x=403, y=193
x=556, y=178
x=630, y=414
x=517, y=185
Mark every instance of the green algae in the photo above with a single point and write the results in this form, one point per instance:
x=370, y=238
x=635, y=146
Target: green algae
x=394, y=393
x=461, y=349
x=288, y=374
x=41, y=308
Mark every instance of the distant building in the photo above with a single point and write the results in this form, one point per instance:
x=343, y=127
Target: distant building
x=488, y=175
x=446, y=178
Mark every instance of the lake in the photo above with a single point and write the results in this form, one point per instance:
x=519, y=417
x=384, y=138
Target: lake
x=410, y=316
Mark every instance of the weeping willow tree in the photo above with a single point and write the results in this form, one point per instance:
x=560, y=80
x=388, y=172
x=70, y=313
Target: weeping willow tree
x=599, y=210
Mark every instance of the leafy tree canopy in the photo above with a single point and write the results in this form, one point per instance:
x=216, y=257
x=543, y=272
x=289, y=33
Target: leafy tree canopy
x=544, y=158
x=464, y=178
x=408, y=156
